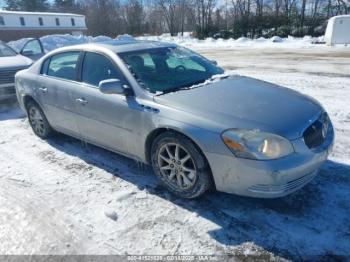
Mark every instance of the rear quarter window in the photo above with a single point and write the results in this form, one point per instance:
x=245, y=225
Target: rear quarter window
x=45, y=66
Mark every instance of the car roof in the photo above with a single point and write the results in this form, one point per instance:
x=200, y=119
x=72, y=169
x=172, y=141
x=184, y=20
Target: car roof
x=121, y=46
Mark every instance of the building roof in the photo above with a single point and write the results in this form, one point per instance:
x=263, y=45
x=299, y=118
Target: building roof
x=38, y=13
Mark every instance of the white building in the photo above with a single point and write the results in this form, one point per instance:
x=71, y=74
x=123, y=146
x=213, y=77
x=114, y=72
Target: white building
x=15, y=25
x=338, y=30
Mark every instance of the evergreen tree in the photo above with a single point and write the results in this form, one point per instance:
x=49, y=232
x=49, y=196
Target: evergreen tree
x=12, y=5
x=64, y=5
x=27, y=5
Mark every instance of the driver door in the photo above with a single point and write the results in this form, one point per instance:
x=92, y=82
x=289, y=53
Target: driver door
x=33, y=49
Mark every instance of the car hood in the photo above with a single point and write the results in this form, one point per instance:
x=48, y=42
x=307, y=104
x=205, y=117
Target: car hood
x=14, y=62
x=243, y=102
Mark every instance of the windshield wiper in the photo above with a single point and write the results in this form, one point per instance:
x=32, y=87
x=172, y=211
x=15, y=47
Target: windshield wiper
x=186, y=86
x=194, y=84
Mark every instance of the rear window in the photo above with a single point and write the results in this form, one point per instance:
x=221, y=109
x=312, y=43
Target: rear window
x=63, y=65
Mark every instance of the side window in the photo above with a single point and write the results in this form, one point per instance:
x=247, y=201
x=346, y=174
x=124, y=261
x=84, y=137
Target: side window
x=57, y=21
x=96, y=68
x=64, y=65
x=2, y=21
x=33, y=47
x=41, y=23
x=72, y=21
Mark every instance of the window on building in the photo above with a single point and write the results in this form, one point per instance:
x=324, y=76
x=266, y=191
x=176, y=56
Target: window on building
x=57, y=21
x=41, y=23
x=73, y=21
x=23, y=23
x=2, y=21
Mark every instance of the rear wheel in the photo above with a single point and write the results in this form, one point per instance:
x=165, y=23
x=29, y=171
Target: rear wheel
x=38, y=121
x=180, y=165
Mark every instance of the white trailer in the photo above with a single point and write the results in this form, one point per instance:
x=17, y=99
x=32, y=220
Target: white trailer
x=15, y=25
x=338, y=30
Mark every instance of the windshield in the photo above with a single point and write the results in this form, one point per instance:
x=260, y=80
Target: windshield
x=6, y=51
x=169, y=69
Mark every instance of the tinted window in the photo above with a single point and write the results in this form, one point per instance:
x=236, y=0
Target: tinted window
x=21, y=19
x=57, y=21
x=73, y=21
x=96, y=68
x=41, y=23
x=64, y=65
x=2, y=21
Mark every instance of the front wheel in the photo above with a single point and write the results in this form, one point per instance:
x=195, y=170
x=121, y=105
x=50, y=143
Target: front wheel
x=38, y=121
x=180, y=165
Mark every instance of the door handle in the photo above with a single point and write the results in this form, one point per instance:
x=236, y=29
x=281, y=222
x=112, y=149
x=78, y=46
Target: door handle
x=81, y=101
x=43, y=89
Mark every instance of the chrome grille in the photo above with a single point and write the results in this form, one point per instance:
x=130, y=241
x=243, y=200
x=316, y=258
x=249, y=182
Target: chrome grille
x=8, y=76
x=316, y=133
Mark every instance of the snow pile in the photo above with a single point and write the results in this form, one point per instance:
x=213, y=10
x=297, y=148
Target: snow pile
x=261, y=42
x=52, y=42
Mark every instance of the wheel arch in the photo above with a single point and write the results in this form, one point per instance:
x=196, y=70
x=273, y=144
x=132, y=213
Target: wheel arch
x=27, y=99
x=158, y=131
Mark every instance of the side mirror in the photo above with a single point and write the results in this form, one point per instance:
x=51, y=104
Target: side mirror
x=27, y=52
x=214, y=62
x=111, y=86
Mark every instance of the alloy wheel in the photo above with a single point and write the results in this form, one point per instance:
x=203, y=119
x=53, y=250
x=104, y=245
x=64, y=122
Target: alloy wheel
x=177, y=166
x=37, y=121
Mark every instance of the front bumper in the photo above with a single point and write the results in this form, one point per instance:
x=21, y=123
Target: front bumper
x=272, y=178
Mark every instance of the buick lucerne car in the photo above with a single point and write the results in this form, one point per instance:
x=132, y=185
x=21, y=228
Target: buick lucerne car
x=11, y=62
x=169, y=107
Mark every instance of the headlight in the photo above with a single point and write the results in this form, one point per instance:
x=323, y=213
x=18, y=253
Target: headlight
x=254, y=144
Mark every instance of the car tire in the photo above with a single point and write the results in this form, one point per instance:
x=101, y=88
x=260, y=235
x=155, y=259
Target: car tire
x=38, y=120
x=174, y=158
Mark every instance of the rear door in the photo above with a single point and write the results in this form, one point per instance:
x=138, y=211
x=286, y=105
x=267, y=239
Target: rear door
x=105, y=119
x=57, y=79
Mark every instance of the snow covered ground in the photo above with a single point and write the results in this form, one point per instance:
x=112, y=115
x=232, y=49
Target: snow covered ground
x=62, y=196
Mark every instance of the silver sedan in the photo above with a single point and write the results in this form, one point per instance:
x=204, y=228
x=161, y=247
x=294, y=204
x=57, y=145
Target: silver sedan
x=169, y=107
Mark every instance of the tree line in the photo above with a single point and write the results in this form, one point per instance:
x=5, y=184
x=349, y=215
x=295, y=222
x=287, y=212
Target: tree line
x=205, y=18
